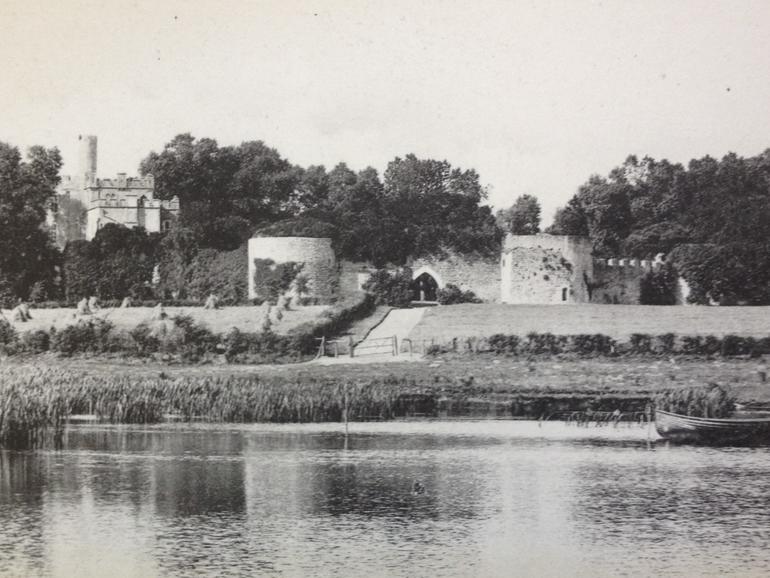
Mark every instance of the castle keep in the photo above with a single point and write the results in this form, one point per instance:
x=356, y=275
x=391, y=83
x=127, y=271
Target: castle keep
x=85, y=203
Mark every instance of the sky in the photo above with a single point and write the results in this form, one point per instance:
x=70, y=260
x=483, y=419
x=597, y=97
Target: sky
x=535, y=96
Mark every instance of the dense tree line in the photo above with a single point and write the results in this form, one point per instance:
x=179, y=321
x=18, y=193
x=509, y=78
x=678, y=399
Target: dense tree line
x=418, y=207
x=28, y=257
x=712, y=218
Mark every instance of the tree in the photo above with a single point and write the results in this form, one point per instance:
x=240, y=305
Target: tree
x=225, y=193
x=27, y=253
x=712, y=219
x=437, y=207
x=521, y=218
x=118, y=262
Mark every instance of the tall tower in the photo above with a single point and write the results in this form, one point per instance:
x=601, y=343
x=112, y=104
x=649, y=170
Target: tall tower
x=87, y=167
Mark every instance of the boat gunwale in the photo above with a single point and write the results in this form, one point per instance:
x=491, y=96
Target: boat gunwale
x=717, y=420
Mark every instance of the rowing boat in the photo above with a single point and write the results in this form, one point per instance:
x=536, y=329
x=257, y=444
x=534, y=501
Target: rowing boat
x=707, y=430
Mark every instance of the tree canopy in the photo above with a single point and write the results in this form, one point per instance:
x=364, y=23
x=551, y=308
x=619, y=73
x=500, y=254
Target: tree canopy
x=27, y=253
x=224, y=192
x=521, y=218
x=712, y=218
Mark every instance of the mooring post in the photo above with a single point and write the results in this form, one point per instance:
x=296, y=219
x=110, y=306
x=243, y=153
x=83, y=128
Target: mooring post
x=345, y=414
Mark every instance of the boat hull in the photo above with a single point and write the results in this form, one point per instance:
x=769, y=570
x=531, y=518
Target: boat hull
x=688, y=429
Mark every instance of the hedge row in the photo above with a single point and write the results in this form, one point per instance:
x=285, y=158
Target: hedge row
x=183, y=338
x=110, y=303
x=603, y=345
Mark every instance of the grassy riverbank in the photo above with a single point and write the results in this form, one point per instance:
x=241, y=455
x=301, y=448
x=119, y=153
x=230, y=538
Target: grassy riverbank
x=38, y=398
x=477, y=375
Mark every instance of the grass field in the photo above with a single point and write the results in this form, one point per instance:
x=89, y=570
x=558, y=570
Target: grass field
x=618, y=321
x=217, y=320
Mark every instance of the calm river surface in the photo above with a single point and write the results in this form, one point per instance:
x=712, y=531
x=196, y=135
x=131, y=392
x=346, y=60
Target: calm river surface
x=501, y=499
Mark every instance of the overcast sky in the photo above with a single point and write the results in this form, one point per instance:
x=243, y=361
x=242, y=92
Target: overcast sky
x=536, y=96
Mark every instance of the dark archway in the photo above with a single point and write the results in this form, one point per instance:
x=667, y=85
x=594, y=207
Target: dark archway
x=424, y=288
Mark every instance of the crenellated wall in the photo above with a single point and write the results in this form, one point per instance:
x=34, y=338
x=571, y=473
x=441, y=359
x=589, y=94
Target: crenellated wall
x=618, y=281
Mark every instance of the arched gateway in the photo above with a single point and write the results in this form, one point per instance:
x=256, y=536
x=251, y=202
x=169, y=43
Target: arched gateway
x=424, y=287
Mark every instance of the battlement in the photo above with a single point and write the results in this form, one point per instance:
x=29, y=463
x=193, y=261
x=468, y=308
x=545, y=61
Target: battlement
x=124, y=182
x=641, y=265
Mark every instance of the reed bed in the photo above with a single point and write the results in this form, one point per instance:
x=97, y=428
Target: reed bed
x=712, y=400
x=37, y=402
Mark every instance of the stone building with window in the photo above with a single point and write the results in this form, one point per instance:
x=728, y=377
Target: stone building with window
x=85, y=203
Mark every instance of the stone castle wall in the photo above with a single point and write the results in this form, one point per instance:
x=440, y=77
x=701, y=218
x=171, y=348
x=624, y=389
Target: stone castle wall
x=315, y=254
x=541, y=269
x=482, y=276
x=618, y=281
x=352, y=276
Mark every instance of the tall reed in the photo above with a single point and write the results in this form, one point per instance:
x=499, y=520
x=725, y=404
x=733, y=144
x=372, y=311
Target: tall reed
x=36, y=402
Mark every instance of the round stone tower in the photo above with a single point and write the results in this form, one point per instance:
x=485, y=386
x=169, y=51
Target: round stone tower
x=316, y=256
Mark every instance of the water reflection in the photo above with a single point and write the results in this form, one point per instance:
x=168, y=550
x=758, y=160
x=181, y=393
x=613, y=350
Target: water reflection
x=499, y=499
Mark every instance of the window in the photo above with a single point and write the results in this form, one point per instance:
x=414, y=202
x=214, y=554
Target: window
x=564, y=294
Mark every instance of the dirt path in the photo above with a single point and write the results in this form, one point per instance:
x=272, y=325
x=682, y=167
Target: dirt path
x=377, y=347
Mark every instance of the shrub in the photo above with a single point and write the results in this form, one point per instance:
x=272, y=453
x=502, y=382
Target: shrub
x=38, y=341
x=504, y=344
x=191, y=340
x=659, y=287
x=544, y=343
x=736, y=345
x=452, y=294
x=7, y=332
x=389, y=288
x=641, y=343
x=596, y=344
x=664, y=344
x=692, y=345
x=92, y=336
x=711, y=345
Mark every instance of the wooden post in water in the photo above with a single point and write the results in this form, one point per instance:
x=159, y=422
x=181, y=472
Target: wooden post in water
x=345, y=415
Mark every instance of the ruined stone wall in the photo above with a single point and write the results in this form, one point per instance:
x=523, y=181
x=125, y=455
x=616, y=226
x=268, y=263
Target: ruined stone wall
x=316, y=255
x=482, y=276
x=543, y=269
x=352, y=276
x=618, y=281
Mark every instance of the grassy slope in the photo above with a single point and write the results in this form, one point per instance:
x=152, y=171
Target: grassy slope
x=219, y=320
x=618, y=321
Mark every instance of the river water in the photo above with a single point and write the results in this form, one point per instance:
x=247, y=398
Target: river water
x=501, y=498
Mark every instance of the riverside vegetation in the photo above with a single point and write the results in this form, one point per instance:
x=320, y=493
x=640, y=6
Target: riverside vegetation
x=35, y=402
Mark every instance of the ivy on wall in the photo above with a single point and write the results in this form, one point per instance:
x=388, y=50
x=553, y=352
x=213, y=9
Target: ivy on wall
x=271, y=279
